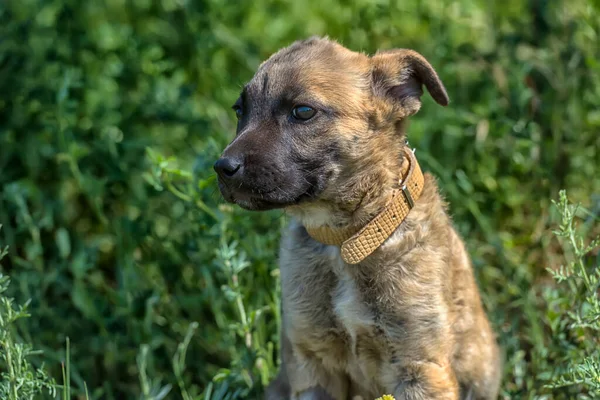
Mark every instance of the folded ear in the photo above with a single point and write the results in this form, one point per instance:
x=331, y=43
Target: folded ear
x=399, y=75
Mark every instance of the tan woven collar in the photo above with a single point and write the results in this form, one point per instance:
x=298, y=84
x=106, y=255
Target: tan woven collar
x=357, y=245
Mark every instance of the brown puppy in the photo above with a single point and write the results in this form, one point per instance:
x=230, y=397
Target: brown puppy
x=378, y=291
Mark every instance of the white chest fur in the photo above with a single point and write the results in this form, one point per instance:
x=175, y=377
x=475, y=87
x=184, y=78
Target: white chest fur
x=348, y=305
x=356, y=318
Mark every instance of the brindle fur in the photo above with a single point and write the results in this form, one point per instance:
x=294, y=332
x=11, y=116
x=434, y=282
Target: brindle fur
x=407, y=320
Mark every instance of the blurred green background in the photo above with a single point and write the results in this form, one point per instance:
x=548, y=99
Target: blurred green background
x=112, y=113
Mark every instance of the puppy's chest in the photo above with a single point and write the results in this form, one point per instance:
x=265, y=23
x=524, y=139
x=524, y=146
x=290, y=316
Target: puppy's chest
x=355, y=319
x=351, y=309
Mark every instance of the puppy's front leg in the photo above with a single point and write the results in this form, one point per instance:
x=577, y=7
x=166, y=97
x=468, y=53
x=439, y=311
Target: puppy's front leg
x=326, y=387
x=427, y=380
x=317, y=393
x=310, y=380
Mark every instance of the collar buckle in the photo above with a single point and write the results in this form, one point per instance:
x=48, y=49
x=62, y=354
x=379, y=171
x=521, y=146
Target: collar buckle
x=408, y=196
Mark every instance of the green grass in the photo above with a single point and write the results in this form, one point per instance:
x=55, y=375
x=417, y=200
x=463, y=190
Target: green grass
x=18, y=378
x=112, y=114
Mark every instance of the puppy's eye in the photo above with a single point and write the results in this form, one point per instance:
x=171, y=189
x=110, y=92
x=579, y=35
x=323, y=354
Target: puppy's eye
x=303, y=113
x=239, y=113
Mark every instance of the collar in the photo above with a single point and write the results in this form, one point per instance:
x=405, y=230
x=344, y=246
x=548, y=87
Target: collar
x=357, y=245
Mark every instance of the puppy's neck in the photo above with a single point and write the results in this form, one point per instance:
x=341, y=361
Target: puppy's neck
x=383, y=214
x=358, y=204
x=363, y=191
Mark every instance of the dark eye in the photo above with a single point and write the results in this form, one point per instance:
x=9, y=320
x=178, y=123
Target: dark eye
x=303, y=113
x=238, y=111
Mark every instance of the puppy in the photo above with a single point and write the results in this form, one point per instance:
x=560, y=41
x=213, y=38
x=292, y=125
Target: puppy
x=379, y=295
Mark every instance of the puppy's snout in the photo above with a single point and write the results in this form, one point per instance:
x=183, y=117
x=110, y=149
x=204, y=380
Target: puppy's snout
x=229, y=168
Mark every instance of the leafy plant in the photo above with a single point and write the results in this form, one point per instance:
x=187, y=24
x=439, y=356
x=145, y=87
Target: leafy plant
x=574, y=307
x=19, y=380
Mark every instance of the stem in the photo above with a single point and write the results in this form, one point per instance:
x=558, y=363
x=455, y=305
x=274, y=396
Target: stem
x=11, y=371
x=199, y=203
x=586, y=279
x=177, y=192
x=242, y=311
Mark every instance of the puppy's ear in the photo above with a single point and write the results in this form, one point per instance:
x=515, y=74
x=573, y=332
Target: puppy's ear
x=399, y=75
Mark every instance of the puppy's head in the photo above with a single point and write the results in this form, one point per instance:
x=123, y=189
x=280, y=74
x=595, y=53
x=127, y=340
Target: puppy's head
x=319, y=126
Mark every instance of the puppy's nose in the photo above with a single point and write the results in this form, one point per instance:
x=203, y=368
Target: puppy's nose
x=228, y=167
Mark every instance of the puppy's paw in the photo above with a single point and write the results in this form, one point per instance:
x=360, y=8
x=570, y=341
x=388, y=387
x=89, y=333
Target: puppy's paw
x=427, y=380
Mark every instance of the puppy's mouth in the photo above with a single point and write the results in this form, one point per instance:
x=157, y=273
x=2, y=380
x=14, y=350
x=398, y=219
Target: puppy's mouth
x=264, y=200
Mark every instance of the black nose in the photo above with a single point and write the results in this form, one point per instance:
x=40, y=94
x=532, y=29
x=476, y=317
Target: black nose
x=227, y=167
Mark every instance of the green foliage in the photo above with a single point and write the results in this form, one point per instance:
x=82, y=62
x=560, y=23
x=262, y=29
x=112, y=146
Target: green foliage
x=112, y=113
x=573, y=316
x=19, y=380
